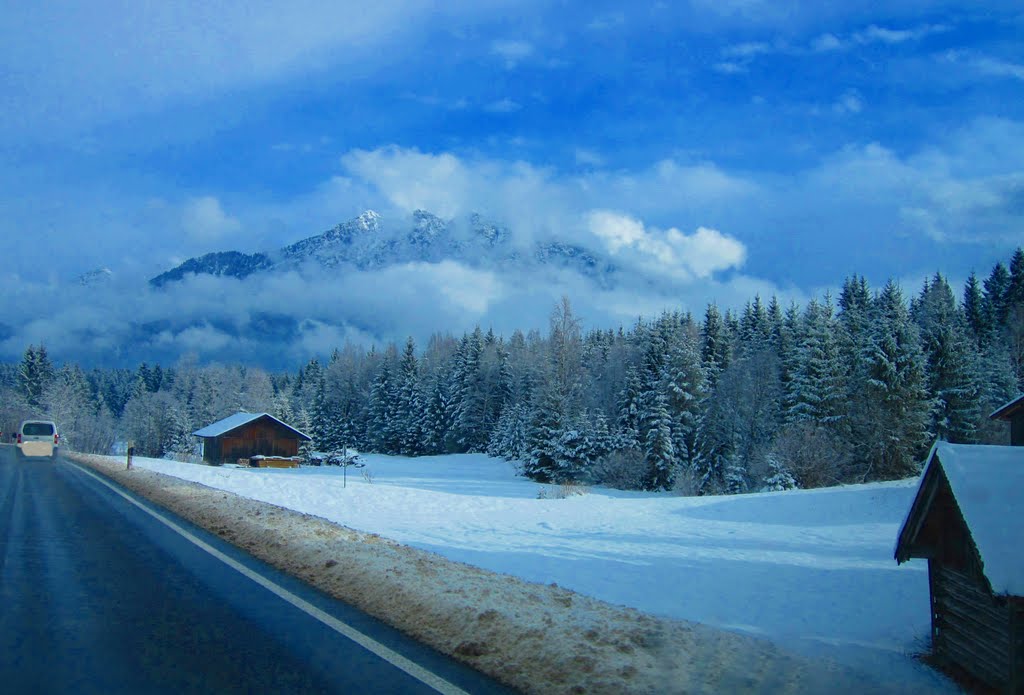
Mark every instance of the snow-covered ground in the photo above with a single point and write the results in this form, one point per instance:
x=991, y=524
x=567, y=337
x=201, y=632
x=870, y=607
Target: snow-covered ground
x=810, y=570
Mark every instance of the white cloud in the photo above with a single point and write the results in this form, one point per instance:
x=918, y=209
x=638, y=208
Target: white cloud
x=116, y=59
x=877, y=34
x=608, y=21
x=998, y=68
x=412, y=180
x=512, y=52
x=747, y=50
x=205, y=221
x=672, y=253
x=849, y=103
x=588, y=157
x=505, y=105
x=730, y=68
x=827, y=42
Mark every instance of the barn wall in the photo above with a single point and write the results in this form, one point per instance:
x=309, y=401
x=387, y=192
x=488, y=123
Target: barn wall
x=211, y=450
x=263, y=437
x=970, y=627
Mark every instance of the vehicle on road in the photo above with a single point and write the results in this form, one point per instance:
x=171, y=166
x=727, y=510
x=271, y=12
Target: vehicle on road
x=38, y=438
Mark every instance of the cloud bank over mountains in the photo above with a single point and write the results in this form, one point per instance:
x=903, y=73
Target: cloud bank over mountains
x=673, y=235
x=371, y=280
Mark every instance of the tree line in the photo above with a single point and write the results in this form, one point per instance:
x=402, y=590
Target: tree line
x=846, y=389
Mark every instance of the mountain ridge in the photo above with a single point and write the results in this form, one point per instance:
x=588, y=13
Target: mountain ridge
x=366, y=242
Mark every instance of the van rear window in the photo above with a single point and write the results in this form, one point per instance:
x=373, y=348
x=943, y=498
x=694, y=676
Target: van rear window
x=37, y=429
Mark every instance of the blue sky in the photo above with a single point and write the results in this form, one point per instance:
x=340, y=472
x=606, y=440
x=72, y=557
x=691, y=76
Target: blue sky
x=823, y=140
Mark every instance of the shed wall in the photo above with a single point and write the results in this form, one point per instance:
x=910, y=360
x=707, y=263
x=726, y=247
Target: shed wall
x=1017, y=631
x=1017, y=430
x=970, y=627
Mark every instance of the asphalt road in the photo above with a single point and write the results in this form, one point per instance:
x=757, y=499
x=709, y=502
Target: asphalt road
x=97, y=596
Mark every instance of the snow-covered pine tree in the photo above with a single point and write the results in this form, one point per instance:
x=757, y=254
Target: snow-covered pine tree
x=683, y=383
x=543, y=434
x=755, y=329
x=409, y=405
x=817, y=383
x=779, y=478
x=716, y=348
x=995, y=298
x=974, y=311
x=381, y=432
x=790, y=343
x=471, y=397
x=34, y=374
x=629, y=409
x=950, y=363
x=656, y=432
x=897, y=408
x=509, y=438
x=1014, y=326
x=439, y=415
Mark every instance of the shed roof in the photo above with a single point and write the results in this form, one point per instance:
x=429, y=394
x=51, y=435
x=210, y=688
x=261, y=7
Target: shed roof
x=988, y=485
x=1007, y=411
x=233, y=422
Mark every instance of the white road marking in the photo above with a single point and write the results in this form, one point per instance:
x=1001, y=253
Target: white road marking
x=392, y=657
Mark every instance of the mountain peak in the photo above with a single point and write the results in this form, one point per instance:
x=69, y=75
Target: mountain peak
x=99, y=276
x=369, y=220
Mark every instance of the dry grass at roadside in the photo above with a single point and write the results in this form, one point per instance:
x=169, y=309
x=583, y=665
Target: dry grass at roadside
x=535, y=638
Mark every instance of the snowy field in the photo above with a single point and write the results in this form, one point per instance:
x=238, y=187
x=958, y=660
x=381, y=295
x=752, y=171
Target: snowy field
x=810, y=570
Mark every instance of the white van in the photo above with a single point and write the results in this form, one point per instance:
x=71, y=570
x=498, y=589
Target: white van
x=38, y=438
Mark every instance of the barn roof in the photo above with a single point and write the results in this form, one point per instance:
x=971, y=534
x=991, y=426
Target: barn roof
x=988, y=485
x=233, y=422
x=1007, y=411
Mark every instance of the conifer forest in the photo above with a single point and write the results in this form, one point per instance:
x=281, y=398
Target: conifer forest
x=845, y=389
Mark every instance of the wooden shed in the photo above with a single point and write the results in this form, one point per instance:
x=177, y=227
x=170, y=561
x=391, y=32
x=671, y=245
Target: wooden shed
x=966, y=521
x=245, y=435
x=1013, y=412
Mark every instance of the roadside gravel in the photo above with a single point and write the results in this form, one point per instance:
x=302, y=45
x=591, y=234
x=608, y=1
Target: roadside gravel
x=535, y=638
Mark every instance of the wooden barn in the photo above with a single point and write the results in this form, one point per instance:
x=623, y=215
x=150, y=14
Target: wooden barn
x=966, y=521
x=245, y=435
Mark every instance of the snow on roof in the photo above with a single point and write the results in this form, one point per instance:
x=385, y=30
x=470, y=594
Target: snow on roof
x=988, y=484
x=1008, y=408
x=237, y=420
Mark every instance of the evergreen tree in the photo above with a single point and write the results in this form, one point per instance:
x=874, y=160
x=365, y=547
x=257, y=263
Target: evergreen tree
x=683, y=383
x=950, y=363
x=629, y=409
x=974, y=311
x=715, y=351
x=896, y=411
x=816, y=390
x=439, y=419
x=656, y=431
x=409, y=405
x=543, y=435
x=509, y=439
x=382, y=432
x=1014, y=322
x=34, y=374
x=995, y=298
x=471, y=409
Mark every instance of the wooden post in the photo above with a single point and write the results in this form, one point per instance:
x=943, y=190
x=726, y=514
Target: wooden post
x=131, y=452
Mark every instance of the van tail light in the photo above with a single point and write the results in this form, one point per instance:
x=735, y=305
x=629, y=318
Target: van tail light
x=19, y=437
x=55, y=439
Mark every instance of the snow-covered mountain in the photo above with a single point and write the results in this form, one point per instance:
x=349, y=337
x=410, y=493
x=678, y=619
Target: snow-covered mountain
x=368, y=243
x=93, y=278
